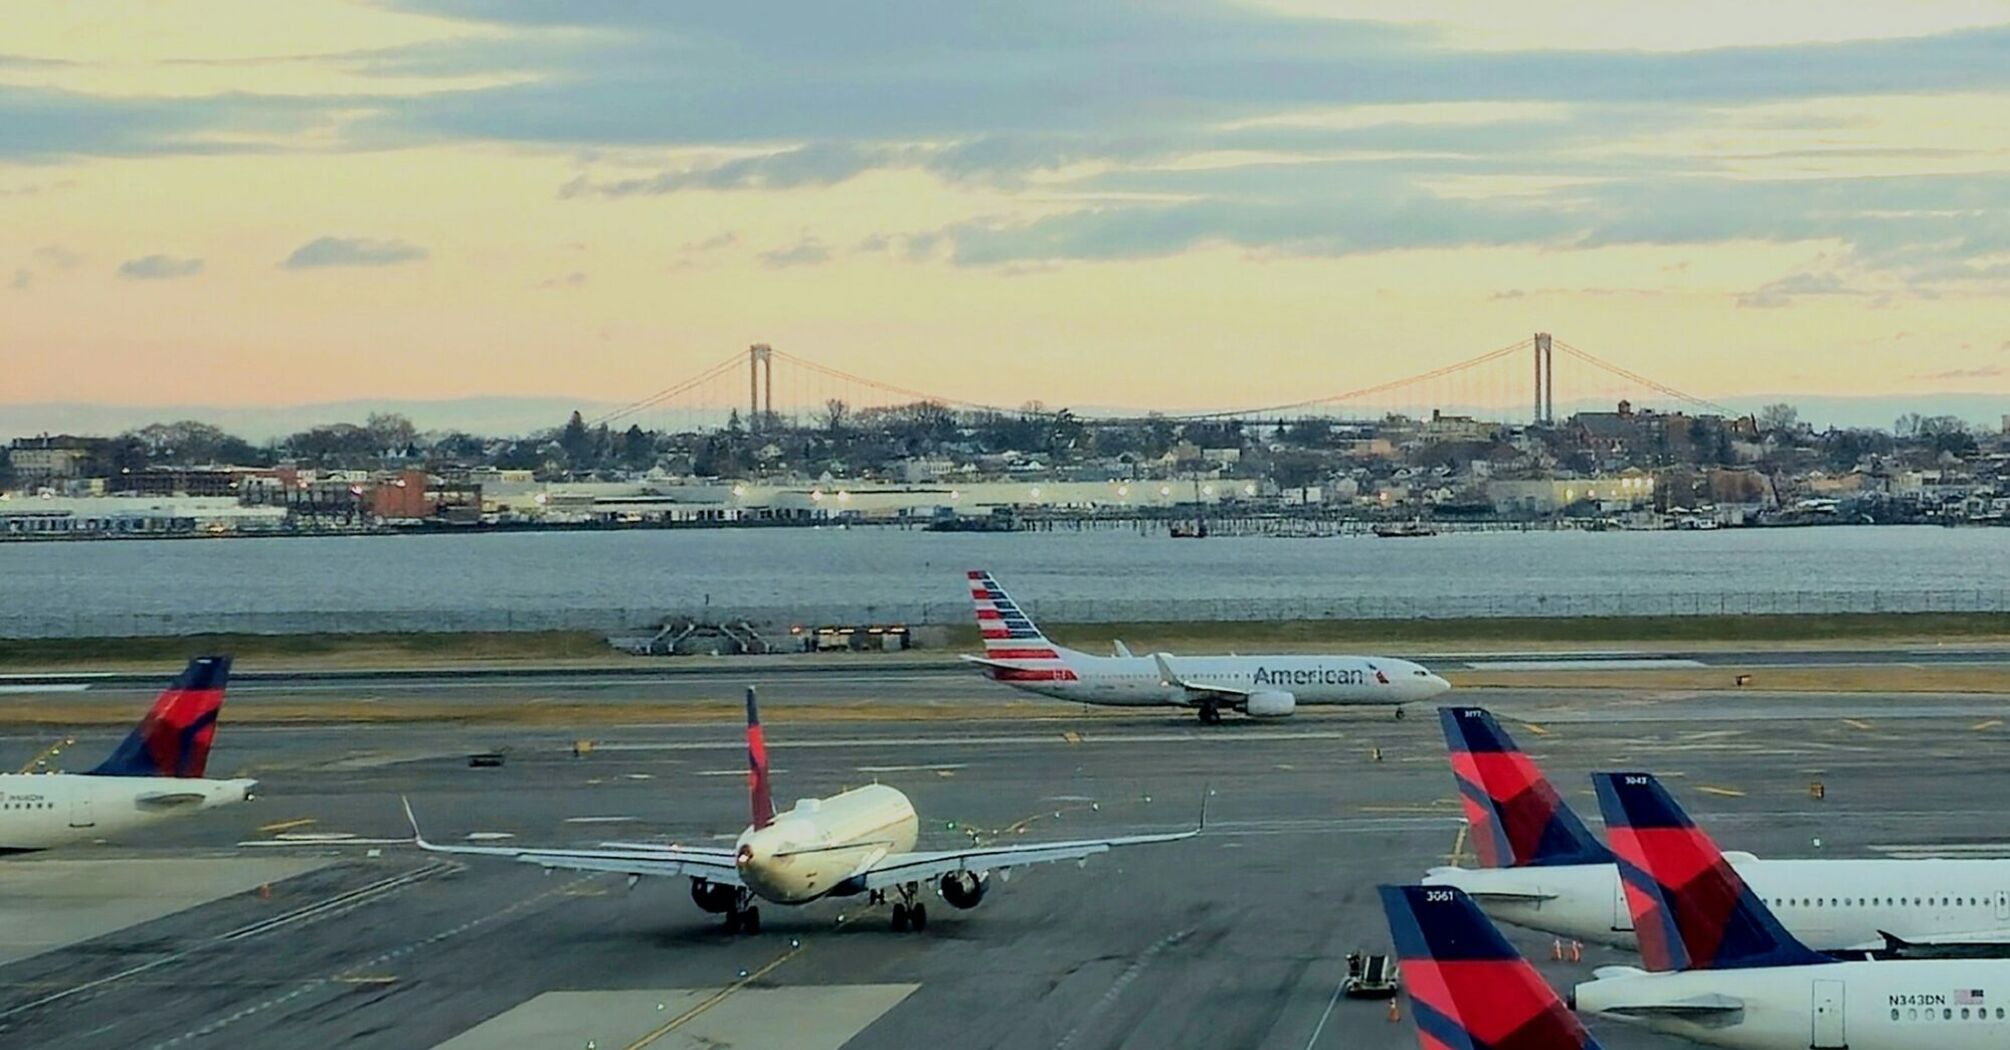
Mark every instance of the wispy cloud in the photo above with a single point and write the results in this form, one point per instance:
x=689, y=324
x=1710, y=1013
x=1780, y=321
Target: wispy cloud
x=1979, y=372
x=58, y=256
x=159, y=268
x=352, y=251
x=807, y=252
x=23, y=278
x=572, y=280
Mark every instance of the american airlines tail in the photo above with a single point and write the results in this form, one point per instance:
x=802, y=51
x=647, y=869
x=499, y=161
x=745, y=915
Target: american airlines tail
x=1518, y=820
x=1691, y=910
x=1468, y=986
x=1014, y=649
x=173, y=739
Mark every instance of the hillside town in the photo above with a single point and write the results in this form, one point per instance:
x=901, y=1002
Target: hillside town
x=926, y=465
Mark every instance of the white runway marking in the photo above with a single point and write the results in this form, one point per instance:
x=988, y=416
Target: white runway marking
x=600, y=820
x=43, y=688
x=911, y=769
x=1636, y=664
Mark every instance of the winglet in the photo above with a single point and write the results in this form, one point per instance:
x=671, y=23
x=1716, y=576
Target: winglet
x=1691, y=909
x=418, y=837
x=762, y=797
x=1122, y=650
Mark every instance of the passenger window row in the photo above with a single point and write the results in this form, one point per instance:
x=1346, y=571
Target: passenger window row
x=1946, y=1013
x=1877, y=902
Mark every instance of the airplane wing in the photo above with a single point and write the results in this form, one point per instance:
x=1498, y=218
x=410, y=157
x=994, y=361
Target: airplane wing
x=1509, y=895
x=168, y=799
x=1195, y=690
x=896, y=868
x=712, y=865
x=1974, y=944
x=1710, y=1004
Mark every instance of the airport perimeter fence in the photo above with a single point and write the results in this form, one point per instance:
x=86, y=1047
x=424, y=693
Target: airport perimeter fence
x=86, y=624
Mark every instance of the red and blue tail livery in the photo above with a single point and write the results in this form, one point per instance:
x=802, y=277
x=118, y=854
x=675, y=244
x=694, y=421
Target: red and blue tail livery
x=173, y=739
x=1691, y=909
x=762, y=796
x=1014, y=648
x=1469, y=988
x=1518, y=820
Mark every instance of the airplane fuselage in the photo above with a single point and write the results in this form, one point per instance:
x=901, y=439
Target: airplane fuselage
x=1136, y=681
x=1830, y=905
x=44, y=810
x=1924, y=1005
x=811, y=850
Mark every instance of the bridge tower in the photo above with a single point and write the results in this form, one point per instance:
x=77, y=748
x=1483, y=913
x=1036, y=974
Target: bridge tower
x=1545, y=381
x=760, y=385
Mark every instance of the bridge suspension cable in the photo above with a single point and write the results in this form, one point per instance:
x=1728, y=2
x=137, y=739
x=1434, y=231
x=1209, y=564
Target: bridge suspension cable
x=1635, y=377
x=1366, y=391
x=671, y=391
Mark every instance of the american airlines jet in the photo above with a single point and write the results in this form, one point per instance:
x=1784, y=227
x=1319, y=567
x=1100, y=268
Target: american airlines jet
x=1542, y=869
x=1722, y=971
x=855, y=843
x=156, y=773
x=1016, y=653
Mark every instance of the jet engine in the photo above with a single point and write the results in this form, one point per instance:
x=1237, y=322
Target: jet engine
x=963, y=889
x=1271, y=704
x=714, y=897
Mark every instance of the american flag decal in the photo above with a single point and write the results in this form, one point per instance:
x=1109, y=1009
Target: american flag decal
x=1968, y=997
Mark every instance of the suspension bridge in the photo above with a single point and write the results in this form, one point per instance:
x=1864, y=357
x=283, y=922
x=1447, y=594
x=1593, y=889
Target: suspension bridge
x=766, y=387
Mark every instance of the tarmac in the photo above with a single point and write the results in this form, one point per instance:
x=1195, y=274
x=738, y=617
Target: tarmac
x=315, y=924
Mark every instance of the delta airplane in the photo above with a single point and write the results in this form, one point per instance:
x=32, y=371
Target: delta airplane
x=155, y=774
x=1543, y=870
x=1016, y=653
x=1722, y=971
x=856, y=843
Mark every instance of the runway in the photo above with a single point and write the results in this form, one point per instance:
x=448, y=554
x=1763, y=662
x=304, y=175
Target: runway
x=1236, y=939
x=856, y=679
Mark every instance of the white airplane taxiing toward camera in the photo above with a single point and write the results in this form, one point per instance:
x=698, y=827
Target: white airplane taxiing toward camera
x=155, y=774
x=1541, y=868
x=858, y=843
x=1017, y=654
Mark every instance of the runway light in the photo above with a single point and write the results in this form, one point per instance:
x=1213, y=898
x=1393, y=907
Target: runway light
x=743, y=975
x=794, y=943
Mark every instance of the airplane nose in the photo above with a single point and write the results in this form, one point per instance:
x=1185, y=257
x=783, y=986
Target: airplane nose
x=1438, y=685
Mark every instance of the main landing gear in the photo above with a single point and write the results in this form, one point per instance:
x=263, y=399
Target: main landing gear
x=1210, y=714
x=743, y=916
x=909, y=913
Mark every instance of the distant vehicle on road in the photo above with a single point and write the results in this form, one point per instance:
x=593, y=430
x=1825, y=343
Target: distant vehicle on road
x=1017, y=654
x=852, y=844
x=155, y=774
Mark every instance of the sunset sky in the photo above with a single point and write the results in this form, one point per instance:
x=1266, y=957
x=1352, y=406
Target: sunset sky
x=1174, y=203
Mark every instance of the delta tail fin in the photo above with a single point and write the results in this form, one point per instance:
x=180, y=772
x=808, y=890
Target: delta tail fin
x=1468, y=987
x=1691, y=909
x=173, y=739
x=1518, y=820
x=1014, y=648
x=758, y=790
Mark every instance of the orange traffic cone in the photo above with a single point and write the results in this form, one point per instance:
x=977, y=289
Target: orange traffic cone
x=1576, y=951
x=1556, y=950
x=1395, y=1012
x=265, y=891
